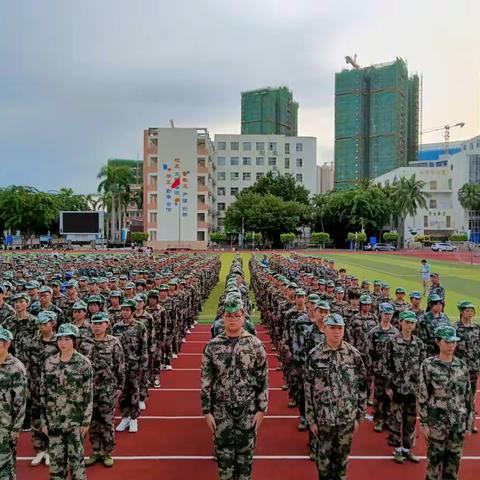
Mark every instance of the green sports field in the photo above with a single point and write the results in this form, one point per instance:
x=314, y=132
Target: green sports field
x=460, y=281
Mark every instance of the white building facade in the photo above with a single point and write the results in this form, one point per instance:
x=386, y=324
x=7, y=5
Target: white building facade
x=242, y=159
x=325, y=177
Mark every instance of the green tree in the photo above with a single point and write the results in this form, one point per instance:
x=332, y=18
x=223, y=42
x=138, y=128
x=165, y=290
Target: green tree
x=390, y=236
x=469, y=196
x=320, y=238
x=139, y=237
x=218, y=237
x=287, y=238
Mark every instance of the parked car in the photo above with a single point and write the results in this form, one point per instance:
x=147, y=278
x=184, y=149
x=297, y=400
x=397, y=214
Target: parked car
x=368, y=247
x=383, y=247
x=444, y=247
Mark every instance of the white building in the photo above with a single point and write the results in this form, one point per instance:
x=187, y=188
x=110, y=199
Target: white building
x=242, y=159
x=443, y=177
x=325, y=177
x=179, y=204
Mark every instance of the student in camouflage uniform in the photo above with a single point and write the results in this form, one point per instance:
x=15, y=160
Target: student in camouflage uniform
x=133, y=337
x=436, y=288
x=13, y=402
x=428, y=324
x=5, y=309
x=336, y=395
x=444, y=406
x=79, y=319
x=46, y=304
x=404, y=355
x=43, y=347
x=66, y=394
x=234, y=393
x=115, y=310
x=400, y=305
x=415, y=304
x=108, y=363
x=468, y=348
x=377, y=340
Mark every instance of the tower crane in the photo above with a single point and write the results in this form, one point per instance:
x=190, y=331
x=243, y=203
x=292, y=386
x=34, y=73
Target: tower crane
x=446, y=134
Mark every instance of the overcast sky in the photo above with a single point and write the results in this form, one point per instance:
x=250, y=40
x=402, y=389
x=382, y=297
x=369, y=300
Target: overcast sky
x=79, y=81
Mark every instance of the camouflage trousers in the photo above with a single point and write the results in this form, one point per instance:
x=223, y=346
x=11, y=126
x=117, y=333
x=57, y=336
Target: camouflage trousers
x=130, y=394
x=234, y=441
x=403, y=413
x=144, y=384
x=167, y=351
x=102, y=430
x=39, y=439
x=332, y=449
x=8, y=455
x=66, y=454
x=444, y=454
x=297, y=386
x=381, y=405
x=473, y=392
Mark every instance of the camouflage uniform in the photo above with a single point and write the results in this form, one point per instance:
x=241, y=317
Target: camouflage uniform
x=403, y=360
x=5, y=311
x=335, y=397
x=13, y=402
x=67, y=395
x=444, y=407
x=234, y=388
x=426, y=331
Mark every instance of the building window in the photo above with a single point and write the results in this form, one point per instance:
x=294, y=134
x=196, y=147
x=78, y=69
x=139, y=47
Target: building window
x=221, y=145
x=234, y=191
x=247, y=146
x=221, y=161
x=221, y=207
x=220, y=191
x=299, y=162
x=234, y=145
x=272, y=161
x=260, y=161
x=449, y=183
x=152, y=235
x=272, y=146
x=221, y=176
x=448, y=221
x=425, y=221
x=246, y=161
x=287, y=163
x=299, y=147
x=299, y=177
x=234, y=161
x=433, y=185
x=234, y=175
x=220, y=222
x=247, y=176
x=259, y=175
x=433, y=203
x=260, y=146
x=287, y=148
x=200, y=236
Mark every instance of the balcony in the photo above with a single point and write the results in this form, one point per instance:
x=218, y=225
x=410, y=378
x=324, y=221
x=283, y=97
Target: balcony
x=152, y=205
x=152, y=168
x=202, y=188
x=152, y=224
x=202, y=151
x=202, y=207
x=201, y=169
x=202, y=225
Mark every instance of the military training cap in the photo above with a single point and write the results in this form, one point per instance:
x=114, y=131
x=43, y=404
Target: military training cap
x=116, y=293
x=447, y=333
x=45, y=289
x=153, y=293
x=408, y=316
x=80, y=305
x=129, y=285
x=313, y=297
x=386, y=308
x=232, y=305
x=299, y=292
x=366, y=299
x=6, y=335
x=322, y=305
x=339, y=290
x=333, y=319
x=465, y=304
x=163, y=287
x=46, y=316
x=415, y=294
x=20, y=296
x=94, y=299
x=100, y=317
x=72, y=284
x=400, y=290
x=434, y=298
x=67, y=330
x=129, y=303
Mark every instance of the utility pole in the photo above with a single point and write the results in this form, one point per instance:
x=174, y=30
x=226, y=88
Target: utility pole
x=243, y=233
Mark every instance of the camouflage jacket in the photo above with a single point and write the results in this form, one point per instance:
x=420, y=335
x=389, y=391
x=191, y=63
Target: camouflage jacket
x=444, y=395
x=67, y=392
x=468, y=348
x=115, y=315
x=39, y=352
x=24, y=332
x=438, y=290
x=218, y=327
x=313, y=337
x=300, y=326
x=358, y=332
x=159, y=315
x=147, y=320
x=403, y=360
x=133, y=338
x=108, y=363
x=426, y=330
x=52, y=308
x=339, y=307
x=5, y=311
x=13, y=394
x=234, y=374
x=378, y=339
x=335, y=385
x=289, y=319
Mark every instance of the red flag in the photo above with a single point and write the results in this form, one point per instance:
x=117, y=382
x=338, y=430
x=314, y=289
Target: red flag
x=176, y=183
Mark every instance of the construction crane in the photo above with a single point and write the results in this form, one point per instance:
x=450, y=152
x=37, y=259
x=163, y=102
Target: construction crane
x=352, y=61
x=446, y=134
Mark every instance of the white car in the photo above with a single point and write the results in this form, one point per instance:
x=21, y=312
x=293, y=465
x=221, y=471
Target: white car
x=443, y=247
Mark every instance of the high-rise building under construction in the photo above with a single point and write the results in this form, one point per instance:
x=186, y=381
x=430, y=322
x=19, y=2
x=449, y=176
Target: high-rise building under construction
x=269, y=111
x=376, y=121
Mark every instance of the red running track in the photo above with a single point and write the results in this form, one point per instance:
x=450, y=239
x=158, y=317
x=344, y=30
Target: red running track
x=173, y=442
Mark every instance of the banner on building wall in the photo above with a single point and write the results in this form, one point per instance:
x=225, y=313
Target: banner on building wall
x=177, y=184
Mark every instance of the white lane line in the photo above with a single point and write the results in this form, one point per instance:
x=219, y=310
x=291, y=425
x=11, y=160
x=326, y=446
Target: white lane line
x=198, y=354
x=204, y=343
x=161, y=389
x=198, y=417
x=256, y=457
x=196, y=370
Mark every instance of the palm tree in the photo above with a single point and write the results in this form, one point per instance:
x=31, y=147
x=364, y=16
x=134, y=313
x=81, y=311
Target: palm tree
x=469, y=196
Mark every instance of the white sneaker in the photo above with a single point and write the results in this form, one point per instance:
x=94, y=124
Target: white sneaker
x=183, y=340
x=189, y=331
x=174, y=355
x=38, y=459
x=122, y=426
x=133, y=426
x=168, y=367
x=142, y=407
x=47, y=459
x=156, y=383
x=195, y=322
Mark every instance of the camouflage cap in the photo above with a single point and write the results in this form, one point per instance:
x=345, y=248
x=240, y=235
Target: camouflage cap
x=385, y=285
x=386, y=307
x=56, y=283
x=333, y=319
x=322, y=305
x=292, y=285
x=400, y=290
x=129, y=303
x=330, y=283
x=31, y=285
x=378, y=283
x=339, y=290
x=447, y=333
x=80, y=305
x=95, y=299
x=72, y=284
x=140, y=297
x=366, y=299
x=232, y=305
x=415, y=294
x=93, y=280
x=100, y=317
x=67, y=330
x=6, y=335
x=129, y=285
x=313, y=297
x=153, y=293
x=365, y=281
x=46, y=316
x=408, y=316
x=20, y=296
x=465, y=304
x=322, y=281
x=434, y=274
x=434, y=298
x=299, y=292
x=45, y=289
x=163, y=287
x=116, y=293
